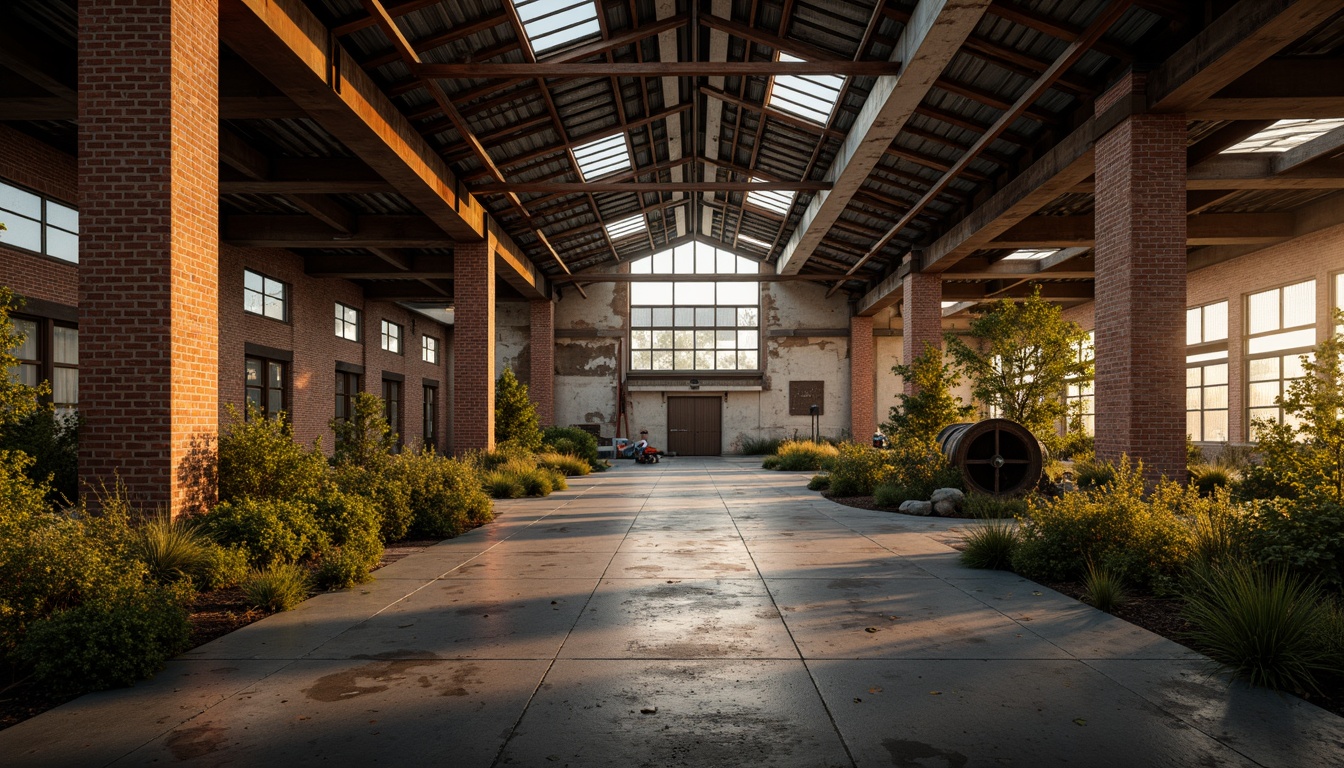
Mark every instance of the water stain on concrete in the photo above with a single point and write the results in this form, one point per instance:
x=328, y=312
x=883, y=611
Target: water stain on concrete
x=912, y=754
x=381, y=674
x=197, y=741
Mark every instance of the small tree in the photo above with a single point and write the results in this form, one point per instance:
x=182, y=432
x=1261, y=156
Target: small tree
x=1024, y=355
x=922, y=416
x=17, y=400
x=365, y=439
x=515, y=414
x=1306, y=461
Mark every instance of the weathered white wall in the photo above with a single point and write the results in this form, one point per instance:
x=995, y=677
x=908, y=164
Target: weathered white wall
x=512, y=338
x=587, y=366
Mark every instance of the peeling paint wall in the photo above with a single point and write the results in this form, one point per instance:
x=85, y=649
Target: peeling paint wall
x=512, y=338
x=587, y=366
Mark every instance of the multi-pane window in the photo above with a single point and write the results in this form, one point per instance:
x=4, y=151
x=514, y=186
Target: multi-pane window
x=695, y=325
x=49, y=352
x=347, y=322
x=1281, y=330
x=1339, y=293
x=392, y=404
x=265, y=296
x=347, y=386
x=391, y=337
x=429, y=349
x=36, y=223
x=265, y=385
x=1206, y=372
x=1078, y=395
x=431, y=417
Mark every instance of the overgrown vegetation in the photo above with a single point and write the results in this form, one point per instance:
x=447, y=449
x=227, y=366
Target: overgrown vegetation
x=991, y=545
x=758, y=446
x=801, y=456
x=516, y=420
x=919, y=417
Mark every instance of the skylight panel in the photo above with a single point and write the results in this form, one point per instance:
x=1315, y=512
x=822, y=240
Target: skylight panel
x=603, y=157
x=811, y=97
x=773, y=200
x=552, y=24
x=626, y=227
x=749, y=240
x=1030, y=254
x=1286, y=134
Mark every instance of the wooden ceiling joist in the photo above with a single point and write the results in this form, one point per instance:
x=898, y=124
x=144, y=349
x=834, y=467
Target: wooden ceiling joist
x=549, y=69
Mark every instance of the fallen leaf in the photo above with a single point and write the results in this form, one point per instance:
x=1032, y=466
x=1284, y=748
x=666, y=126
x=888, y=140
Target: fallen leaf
x=858, y=701
x=935, y=693
x=1079, y=721
x=875, y=689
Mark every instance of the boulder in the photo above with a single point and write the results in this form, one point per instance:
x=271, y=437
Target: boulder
x=913, y=507
x=953, y=495
x=946, y=508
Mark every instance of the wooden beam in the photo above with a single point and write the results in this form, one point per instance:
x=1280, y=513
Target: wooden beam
x=568, y=187
x=259, y=108
x=602, y=277
x=359, y=267
x=480, y=70
x=1201, y=229
x=327, y=211
x=20, y=108
x=38, y=59
x=1256, y=170
x=1325, y=145
x=797, y=48
x=307, y=232
x=243, y=157
x=1222, y=138
x=308, y=175
x=973, y=291
x=288, y=44
x=928, y=43
x=1313, y=217
x=1268, y=108
x=1229, y=47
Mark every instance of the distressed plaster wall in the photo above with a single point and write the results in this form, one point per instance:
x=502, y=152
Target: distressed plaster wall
x=587, y=364
x=511, y=339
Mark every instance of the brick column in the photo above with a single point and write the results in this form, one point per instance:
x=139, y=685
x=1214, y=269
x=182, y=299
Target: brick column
x=921, y=317
x=862, y=420
x=473, y=348
x=149, y=245
x=541, y=342
x=1140, y=288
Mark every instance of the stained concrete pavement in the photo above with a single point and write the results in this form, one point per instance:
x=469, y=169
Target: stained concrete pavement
x=691, y=613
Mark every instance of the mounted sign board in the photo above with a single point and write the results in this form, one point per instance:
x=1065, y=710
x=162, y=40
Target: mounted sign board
x=804, y=394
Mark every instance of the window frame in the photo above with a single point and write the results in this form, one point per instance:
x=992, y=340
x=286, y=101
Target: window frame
x=284, y=297
x=399, y=337
x=345, y=400
x=345, y=324
x=45, y=365
x=397, y=404
x=43, y=223
x=1201, y=356
x=430, y=417
x=284, y=388
x=429, y=349
x=1281, y=356
x=1083, y=392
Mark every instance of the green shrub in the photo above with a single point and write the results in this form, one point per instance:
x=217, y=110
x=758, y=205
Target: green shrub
x=1145, y=542
x=990, y=546
x=350, y=528
x=106, y=642
x=922, y=415
x=271, y=530
x=1304, y=536
x=445, y=495
x=223, y=567
x=565, y=464
x=503, y=485
x=341, y=568
x=891, y=495
x=172, y=549
x=1264, y=625
x=1329, y=638
x=805, y=455
x=770, y=462
x=278, y=587
x=758, y=446
x=364, y=438
x=1219, y=531
x=1092, y=473
x=538, y=481
x=918, y=467
x=515, y=414
x=507, y=454
x=857, y=470
x=985, y=506
x=1207, y=478
x=387, y=490
x=819, y=483
x=52, y=442
x=1103, y=588
x=571, y=441
x=259, y=459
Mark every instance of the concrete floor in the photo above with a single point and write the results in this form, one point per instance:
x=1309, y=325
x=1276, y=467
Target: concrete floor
x=692, y=613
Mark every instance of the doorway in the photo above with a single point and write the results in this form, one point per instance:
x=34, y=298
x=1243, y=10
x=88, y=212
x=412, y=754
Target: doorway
x=695, y=426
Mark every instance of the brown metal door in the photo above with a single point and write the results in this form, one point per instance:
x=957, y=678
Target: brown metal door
x=694, y=426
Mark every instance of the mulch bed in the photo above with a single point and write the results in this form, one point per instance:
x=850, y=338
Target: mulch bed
x=212, y=615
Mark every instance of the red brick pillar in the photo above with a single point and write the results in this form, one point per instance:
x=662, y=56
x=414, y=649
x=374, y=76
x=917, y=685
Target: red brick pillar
x=921, y=317
x=149, y=245
x=541, y=380
x=862, y=420
x=1140, y=288
x=473, y=348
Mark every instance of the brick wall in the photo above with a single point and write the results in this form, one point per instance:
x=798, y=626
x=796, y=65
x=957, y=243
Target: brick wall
x=541, y=359
x=474, y=348
x=921, y=316
x=861, y=377
x=148, y=173
x=1141, y=289
x=311, y=338
x=27, y=162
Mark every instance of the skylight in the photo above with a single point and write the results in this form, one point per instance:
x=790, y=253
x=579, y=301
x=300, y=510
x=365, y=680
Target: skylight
x=773, y=200
x=551, y=24
x=749, y=240
x=1286, y=134
x=603, y=157
x=811, y=97
x=626, y=227
x=1030, y=254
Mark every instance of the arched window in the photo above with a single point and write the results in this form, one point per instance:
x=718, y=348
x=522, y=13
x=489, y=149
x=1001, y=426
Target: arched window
x=709, y=320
